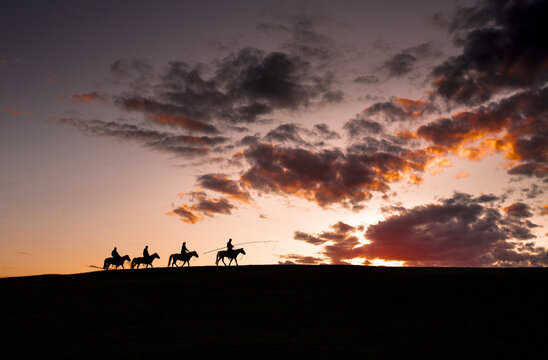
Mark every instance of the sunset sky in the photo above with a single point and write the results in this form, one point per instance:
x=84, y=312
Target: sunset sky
x=348, y=132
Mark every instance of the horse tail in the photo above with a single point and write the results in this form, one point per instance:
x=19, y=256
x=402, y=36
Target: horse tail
x=105, y=265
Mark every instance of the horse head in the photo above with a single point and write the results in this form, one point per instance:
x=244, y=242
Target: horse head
x=126, y=257
x=243, y=251
x=194, y=253
x=155, y=256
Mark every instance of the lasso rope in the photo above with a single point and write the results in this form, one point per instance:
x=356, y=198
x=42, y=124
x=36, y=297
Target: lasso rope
x=244, y=243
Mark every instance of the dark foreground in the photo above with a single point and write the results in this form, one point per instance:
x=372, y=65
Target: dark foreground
x=277, y=312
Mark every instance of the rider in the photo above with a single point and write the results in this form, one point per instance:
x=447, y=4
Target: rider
x=115, y=254
x=145, y=252
x=184, y=250
x=229, y=246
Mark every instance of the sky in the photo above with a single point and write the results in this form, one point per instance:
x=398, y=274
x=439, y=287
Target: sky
x=315, y=132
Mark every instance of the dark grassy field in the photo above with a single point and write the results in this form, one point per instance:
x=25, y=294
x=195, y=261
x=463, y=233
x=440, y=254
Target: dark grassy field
x=267, y=312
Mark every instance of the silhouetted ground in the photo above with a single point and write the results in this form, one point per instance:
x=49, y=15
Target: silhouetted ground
x=277, y=312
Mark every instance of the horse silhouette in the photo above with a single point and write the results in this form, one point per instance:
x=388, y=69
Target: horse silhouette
x=142, y=260
x=229, y=254
x=116, y=262
x=185, y=258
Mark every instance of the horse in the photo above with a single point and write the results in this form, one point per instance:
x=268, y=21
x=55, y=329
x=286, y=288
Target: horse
x=142, y=260
x=229, y=254
x=116, y=262
x=185, y=258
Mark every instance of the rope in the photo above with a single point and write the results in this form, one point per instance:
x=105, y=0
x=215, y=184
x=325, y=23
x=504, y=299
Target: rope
x=244, y=243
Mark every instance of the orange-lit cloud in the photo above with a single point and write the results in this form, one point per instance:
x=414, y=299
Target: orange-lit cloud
x=459, y=231
x=86, y=97
x=11, y=110
x=462, y=175
x=186, y=214
x=183, y=122
x=325, y=177
x=202, y=206
x=223, y=184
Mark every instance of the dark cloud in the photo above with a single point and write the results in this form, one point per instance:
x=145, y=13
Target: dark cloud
x=462, y=230
x=519, y=209
x=325, y=132
x=326, y=176
x=399, y=109
x=286, y=133
x=223, y=184
x=334, y=96
x=213, y=206
x=338, y=242
x=184, y=145
x=249, y=139
x=314, y=240
x=533, y=191
x=292, y=259
x=504, y=46
x=404, y=62
x=399, y=64
x=358, y=127
x=167, y=114
x=137, y=73
x=366, y=79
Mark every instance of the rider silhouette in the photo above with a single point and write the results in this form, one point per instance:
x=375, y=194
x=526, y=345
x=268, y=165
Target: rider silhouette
x=115, y=254
x=184, y=250
x=229, y=246
x=145, y=252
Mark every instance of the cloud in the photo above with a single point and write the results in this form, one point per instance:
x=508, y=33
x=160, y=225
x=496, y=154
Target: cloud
x=399, y=64
x=286, y=133
x=166, y=114
x=202, y=206
x=325, y=132
x=517, y=126
x=502, y=48
x=10, y=109
x=359, y=126
x=326, y=176
x=533, y=192
x=404, y=62
x=518, y=209
x=462, y=175
x=137, y=73
x=223, y=184
x=182, y=145
x=462, y=230
x=186, y=214
x=89, y=97
x=544, y=210
x=338, y=243
x=292, y=259
x=399, y=109
x=366, y=79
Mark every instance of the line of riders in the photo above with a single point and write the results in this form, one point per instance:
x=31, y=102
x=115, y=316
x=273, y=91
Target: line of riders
x=185, y=255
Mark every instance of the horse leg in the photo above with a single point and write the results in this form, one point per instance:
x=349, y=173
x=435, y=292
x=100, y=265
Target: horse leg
x=223, y=260
x=236, y=260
